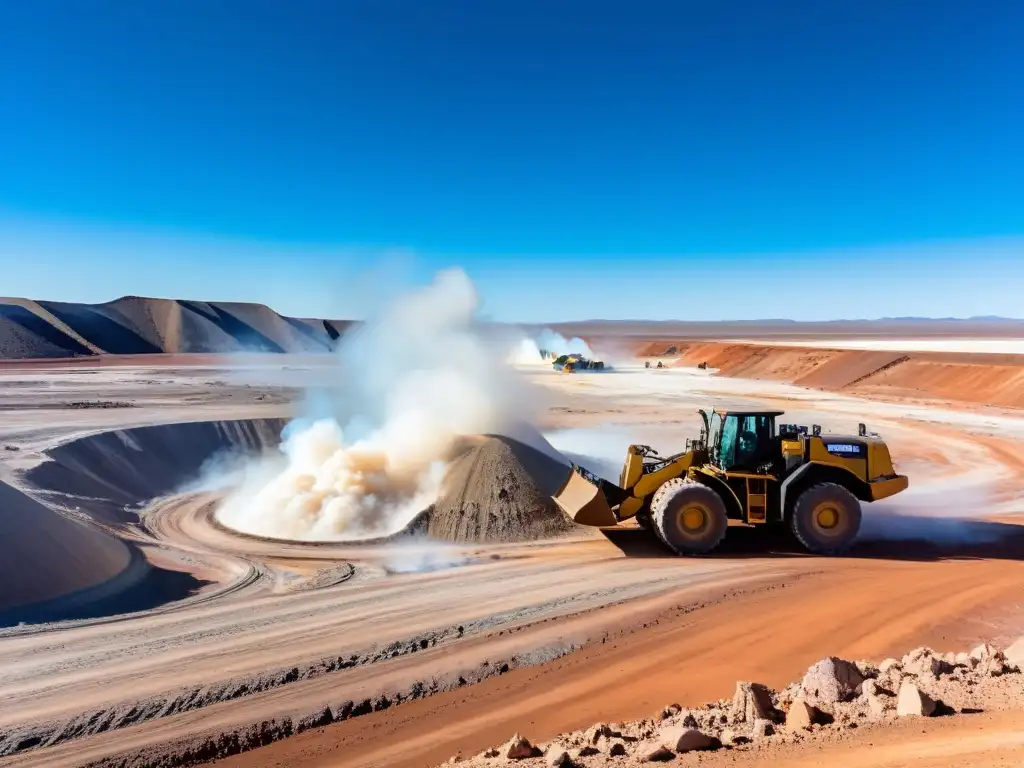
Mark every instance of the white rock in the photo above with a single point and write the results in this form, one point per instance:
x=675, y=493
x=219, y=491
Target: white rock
x=518, y=748
x=888, y=664
x=801, y=716
x=913, y=702
x=878, y=706
x=762, y=729
x=1015, y=655
x=830, y=681
x=984, y=652
x=683, y=740
x=922, y=662
x=557, y=757
x=752, y=701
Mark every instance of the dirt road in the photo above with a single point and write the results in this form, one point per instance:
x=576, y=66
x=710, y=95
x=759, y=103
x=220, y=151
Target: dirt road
x=558, y=634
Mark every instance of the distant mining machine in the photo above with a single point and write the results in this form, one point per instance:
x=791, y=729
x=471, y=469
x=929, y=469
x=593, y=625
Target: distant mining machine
x=573, y=363
x=742, y=470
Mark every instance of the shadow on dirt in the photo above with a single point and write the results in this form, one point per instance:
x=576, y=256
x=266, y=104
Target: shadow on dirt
x=898, y=537
x=143, y=588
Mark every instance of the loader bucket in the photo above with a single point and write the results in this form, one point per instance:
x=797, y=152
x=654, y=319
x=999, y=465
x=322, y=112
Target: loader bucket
x=584, y=501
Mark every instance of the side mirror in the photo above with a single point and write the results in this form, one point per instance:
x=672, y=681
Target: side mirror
x=862, y=430
x=816, y=430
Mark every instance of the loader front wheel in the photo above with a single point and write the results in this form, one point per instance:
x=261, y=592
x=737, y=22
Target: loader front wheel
x=826, y=519
x=688, y=517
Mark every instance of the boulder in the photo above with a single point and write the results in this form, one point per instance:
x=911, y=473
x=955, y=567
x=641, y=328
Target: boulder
x=878, y=706
x=913, y=702
x=684, y=740
x=1015, y=655
x=751, y=702
x=801, y=716
x=586, y=751
x=729, y=737
x=762, y=730
x=869, y=688
x=617, y=749
x=557, y=757
x=866, y=668
x=658, y=754
x=922, y=662
x=985, y=652
x=490, y=753
x=519, y=748
x=888, y=665
x=830, y=681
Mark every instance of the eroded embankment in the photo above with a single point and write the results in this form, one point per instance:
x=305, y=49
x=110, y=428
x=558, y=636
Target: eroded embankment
x=991, y=379
x=59, y=560
x=107, y=474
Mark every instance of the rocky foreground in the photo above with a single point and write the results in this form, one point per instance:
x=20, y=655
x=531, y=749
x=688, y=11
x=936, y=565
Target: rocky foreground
x=834, y=696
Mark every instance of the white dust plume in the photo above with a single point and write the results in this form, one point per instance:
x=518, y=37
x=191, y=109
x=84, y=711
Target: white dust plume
x=371, y=453
x=543, y=347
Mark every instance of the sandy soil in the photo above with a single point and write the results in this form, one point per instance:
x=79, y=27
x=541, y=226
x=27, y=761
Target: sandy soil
x=559, y=634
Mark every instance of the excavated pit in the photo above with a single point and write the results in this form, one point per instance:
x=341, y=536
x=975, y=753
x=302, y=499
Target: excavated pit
x=61, y=561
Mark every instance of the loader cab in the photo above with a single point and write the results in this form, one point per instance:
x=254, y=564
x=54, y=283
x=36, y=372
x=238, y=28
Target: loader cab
x=741, y=441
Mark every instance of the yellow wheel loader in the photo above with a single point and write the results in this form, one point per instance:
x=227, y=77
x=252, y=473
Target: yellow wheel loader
x=746, y=469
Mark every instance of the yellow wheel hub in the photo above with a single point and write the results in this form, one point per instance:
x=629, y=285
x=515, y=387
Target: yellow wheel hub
x=827, y=516
x=693, y=519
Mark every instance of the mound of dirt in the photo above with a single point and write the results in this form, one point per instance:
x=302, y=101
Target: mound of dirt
x=499, y=490
x=136, y=325
x=46, y=555
x=26, y=335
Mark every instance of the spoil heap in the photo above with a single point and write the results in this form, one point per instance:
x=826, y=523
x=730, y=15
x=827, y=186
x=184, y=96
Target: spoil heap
x=498, y=489
x=46, y=556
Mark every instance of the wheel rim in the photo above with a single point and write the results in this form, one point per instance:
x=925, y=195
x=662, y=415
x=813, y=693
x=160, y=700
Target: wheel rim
x=827, y=517
x=693, y=519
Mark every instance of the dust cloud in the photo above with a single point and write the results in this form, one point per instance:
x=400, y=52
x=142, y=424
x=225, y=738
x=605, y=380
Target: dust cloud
x=532, y=347
x=370, y=453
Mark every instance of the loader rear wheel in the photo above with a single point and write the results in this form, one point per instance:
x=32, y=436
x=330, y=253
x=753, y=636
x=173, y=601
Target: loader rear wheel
x=688, y=517
x=826, y=519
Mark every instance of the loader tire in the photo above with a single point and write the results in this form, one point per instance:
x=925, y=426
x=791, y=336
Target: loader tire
x=688, y=517
x=826, y=519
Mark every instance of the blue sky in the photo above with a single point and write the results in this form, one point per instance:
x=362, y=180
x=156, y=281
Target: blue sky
x=689, y=159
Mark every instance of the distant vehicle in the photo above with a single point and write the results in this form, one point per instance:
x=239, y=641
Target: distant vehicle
x=573, y=363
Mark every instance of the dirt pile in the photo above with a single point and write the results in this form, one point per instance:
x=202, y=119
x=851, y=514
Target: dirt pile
x=834, y=696
x=499, y=490
x=47, y=556
x=134, y=325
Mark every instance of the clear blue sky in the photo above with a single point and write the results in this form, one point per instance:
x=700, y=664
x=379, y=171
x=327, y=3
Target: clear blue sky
x=700, y=159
